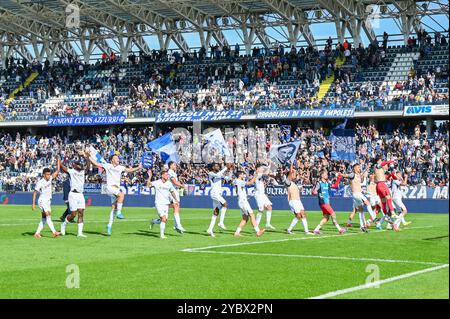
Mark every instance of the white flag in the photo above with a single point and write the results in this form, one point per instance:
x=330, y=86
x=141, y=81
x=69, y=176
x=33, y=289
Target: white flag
x=96, y=155
x=284, y=153
x=216, y=141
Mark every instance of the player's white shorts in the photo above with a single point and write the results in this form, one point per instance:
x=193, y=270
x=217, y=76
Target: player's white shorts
x=162, y=210
x=262, y=201
x=45, y=205
x=245, y=207
x=218, y=201
x=112, y=192
x=374, y=200
x=76, y=201
x=358, y=200
x=398, y=203
x=296, y=206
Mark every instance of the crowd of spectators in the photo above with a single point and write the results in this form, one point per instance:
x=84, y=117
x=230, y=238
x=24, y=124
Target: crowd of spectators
x=276, y=78
x=424, y=157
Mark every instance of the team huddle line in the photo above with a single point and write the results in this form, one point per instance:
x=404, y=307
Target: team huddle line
x=369, y=187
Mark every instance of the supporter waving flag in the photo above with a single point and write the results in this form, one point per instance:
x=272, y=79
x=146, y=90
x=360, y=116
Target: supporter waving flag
x=166, y=148
x=216, y=141
x=284, y=154
x=343, y=145
x=96, y=155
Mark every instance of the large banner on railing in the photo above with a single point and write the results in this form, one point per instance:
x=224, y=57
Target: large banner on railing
x=86, y=120
x=205, y=116
x=411, y=192
x=299, y=114
x=421, y=110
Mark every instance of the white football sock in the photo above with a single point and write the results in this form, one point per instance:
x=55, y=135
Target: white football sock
x=335, y=222
x=268, y=217
x=177, y=220
x=337, y=226
x=403, y=220
x=238, y=230
x=256, y=228
x=222, y=215
x=293, y=223
x=213, y=223
x=41, y=225
x=399, y=220
x=362, y=220
x=305, y=224
x=50, y=224
x=162, y=228
x=119, y=208
x=112, y=214
x=318, y=228
x=63, y=226
x=258, y=217
x=371, y=212
x=80, y=228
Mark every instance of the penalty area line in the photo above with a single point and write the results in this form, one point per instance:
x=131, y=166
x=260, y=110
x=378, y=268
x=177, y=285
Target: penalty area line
x=378, y=282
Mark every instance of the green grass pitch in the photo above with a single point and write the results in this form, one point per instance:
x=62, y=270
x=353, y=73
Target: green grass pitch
x=135, y=263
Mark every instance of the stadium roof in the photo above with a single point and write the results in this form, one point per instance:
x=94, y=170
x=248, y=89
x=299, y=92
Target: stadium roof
x=51, y=28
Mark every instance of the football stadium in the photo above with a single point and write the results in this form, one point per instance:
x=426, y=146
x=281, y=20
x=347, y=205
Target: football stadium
x=224, y=149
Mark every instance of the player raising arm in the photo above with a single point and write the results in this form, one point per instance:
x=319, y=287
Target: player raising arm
x=219, y=203
x=322, y=190
x=44, y=188
x=374, y=199
x=359, y=200
x=164, y=190
x=294, y=201
x=77, y=204
x=113, y=175
x=244, y=205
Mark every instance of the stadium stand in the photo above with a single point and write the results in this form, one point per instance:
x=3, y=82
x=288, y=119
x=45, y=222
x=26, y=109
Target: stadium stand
x=373, y=78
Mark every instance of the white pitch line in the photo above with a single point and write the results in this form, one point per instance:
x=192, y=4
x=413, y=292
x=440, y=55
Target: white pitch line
x=379, y=282
x=199, y=249
x=321, y=257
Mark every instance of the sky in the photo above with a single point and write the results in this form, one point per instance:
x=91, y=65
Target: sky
x=320, y=31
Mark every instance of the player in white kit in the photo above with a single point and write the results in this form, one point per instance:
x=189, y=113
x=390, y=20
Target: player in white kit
x=296, y=205
x=219, y=203
x=173, y=176
x=113, y=176
x=374, y=200
x=77, y=204
x=44, y=188
x=397, y=197
x=244, y=205
x=165, y=193
x=261, y=198
x=357, y=179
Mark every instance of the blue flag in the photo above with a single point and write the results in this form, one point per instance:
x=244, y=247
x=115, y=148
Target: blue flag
x=342, y=125
x=343, y=145
x=147, y=160
x=165, y=147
